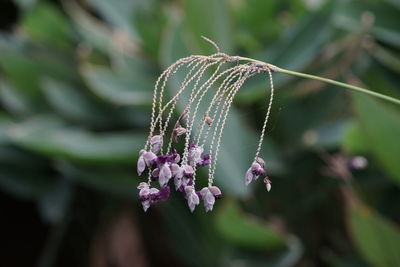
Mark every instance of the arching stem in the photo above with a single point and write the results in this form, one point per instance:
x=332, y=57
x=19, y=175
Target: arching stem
x=318, y=78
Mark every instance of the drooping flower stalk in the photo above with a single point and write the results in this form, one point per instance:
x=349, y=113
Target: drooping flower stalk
x=200, y=149
x=248, y=72
x=182, y=167
x=218, y=96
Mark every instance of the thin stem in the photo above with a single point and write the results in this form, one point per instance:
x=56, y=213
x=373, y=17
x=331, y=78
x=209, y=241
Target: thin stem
x=313, y=77
x=345, y=85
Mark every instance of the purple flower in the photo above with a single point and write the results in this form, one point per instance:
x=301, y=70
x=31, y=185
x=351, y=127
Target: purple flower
x=149, y=196
x=155, y=173
x=358, y=163
x=156, y=143
x=192, y=197
x=188, y=171
x=261, y=162
x=141, y=165
x=161, y=160
x=216, y=192
x=168, y=158
x=205, y=160
x=178, y=131
x=165, y=174
x=149, y=158
x=194, y=154
x=177, y=173
x=253, y=173
x=208, y=198
x=267, y=182
x=175, y=157
x=163, y=194
x=142, y=185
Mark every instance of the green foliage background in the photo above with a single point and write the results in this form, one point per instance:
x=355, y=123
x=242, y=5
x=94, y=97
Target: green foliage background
x=76, y=80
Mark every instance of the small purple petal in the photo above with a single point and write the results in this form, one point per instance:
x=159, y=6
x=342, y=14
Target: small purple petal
x=261, y=162
x=149, y=158
x=176, y=170
x=192, y=197
x=144, y=193
x=176, y=158
x=188, y=171
x=142, y=185
x=177, y=182
x=358, y=163
x=156, y=144
x=208, y=198
x=141, y=152
x=255, y=166
x=161, y=160
x=165, y=175
x=141, y=165
x=249, y=177
x=154, y=191
x=155, y=173
x=146, y=205
x=163, y=194
x=216, y=192
x=194, y=155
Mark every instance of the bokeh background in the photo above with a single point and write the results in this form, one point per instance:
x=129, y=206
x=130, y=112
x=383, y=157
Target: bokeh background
x=76, y=80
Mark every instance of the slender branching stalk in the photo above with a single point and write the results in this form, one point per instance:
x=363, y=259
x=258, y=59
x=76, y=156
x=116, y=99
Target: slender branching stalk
x=203, y=136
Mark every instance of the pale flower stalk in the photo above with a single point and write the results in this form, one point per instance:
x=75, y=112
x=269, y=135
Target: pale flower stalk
x=200, y=134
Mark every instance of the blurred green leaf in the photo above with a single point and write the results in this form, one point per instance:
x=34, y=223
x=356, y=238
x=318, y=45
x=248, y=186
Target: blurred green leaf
x=72, y=103
x=327, y=135
x=299, y=44
x=118, y=88
x=36, y=24
x=385, y=26
x=379, y=79
x=381, y=128
x=109, y=180
x=23, y=59
x=285, y=52
x=387, y=58
x=244, y=230
x=91, y=31
x=395, y=3
x=49, y=136
x=150, y=19
x=210, y=18
x=14, y=100
x=118, y=13
x=377, y=239
x=354, y=140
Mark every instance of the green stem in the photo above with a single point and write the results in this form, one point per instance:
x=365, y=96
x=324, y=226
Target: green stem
x=308, y=76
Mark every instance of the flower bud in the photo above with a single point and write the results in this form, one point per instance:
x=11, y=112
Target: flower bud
x=156, y=143
x=208, y=120
x=267, y=183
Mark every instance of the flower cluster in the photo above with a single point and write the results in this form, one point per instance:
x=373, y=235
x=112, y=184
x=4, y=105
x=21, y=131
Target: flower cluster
x=199, y=135
x=162, y=168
